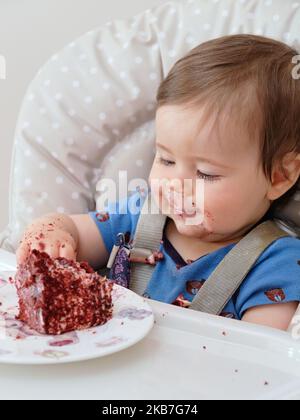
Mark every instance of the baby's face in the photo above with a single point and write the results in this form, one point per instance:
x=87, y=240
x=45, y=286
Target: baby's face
x=220, y=154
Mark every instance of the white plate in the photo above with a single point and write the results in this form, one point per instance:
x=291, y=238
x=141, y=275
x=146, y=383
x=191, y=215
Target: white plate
x=132, y=321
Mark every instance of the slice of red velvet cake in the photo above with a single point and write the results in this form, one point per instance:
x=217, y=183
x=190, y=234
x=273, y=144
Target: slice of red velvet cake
x=59, y=295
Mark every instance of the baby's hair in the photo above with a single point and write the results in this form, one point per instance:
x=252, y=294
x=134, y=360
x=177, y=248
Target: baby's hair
x=253, y=75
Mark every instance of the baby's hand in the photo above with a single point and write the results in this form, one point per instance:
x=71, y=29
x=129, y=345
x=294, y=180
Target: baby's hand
x=54, y=234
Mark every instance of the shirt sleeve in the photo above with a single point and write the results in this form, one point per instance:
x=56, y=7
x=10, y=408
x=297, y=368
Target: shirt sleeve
x=118, y=217
x=275, y=278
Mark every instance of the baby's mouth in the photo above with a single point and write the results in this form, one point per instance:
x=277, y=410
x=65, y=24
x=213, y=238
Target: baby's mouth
x=179, y=206
x=181, y=212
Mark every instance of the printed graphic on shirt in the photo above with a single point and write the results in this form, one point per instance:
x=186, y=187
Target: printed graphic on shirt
x=276, y=295
x=102, y=217
x=193, y=286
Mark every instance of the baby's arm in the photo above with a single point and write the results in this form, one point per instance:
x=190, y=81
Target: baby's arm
x=275, y=316
x=75, y=237
x=91, y=247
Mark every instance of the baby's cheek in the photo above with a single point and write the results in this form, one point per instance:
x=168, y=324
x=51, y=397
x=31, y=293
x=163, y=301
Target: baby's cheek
x=157, y=191
x=206, y=222
x=214, y=209
x=224, y=211
x=218, y=200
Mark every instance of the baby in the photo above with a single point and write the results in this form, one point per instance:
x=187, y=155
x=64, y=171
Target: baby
x=227, y=114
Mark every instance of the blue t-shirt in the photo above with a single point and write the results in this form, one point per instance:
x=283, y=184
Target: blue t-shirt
x=274, y=278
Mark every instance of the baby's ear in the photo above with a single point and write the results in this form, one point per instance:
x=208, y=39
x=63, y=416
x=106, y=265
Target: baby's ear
x=285, y=174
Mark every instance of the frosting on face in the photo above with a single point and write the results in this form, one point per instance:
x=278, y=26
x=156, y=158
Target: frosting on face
x=180, y=204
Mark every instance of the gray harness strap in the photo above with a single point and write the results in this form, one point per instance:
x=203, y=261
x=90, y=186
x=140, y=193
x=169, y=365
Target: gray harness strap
x=225, y=279
x=147, y=239
x=232, y=270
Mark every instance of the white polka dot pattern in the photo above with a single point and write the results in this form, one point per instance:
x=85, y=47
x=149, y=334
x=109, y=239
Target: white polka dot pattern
x=89, y=111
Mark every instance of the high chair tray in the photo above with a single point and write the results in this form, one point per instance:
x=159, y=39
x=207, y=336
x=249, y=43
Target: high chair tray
x=187, y=355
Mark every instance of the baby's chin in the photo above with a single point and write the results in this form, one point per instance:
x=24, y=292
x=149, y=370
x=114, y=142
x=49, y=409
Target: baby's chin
x=187, y=227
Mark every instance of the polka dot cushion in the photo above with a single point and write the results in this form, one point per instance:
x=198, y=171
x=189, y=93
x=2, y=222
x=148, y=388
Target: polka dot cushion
x=89, y=112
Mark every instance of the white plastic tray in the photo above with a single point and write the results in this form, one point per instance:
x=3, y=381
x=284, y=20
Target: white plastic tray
x=187, y=355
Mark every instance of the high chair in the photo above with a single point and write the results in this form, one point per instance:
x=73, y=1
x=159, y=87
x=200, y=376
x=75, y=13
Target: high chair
x=89, y=112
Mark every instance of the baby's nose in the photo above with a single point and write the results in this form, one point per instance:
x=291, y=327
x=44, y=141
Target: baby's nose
x=180, y=189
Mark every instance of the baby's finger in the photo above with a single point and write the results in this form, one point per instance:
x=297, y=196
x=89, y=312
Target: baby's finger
x=67, y=251
x=52, y=250
x=40, y=246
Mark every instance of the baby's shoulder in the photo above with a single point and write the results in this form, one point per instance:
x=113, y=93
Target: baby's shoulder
x=282, y=250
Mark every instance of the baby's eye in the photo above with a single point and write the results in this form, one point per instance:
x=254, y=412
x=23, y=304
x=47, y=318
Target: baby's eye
x=166, y=162
x=207, y=177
